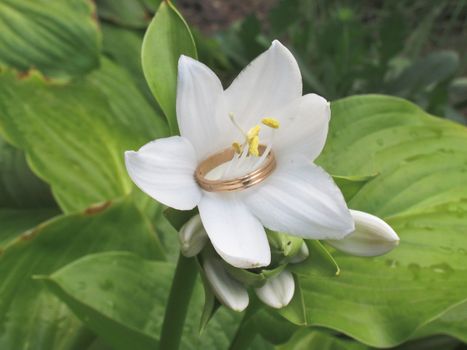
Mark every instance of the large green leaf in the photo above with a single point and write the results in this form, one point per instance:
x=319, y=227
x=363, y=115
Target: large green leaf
x=167, y=37
x=128, y=13
x=123, y=46
x=15, y=221
x=420, y=191
x=25, y=201
x=19, y=187
x=311, y=339
x=30, y=317
x=453, y=323
x=74, y=135
x=60, y=38
x=126, y=308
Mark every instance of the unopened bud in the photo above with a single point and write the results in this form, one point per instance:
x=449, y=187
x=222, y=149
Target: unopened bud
x=301, y=255
x=192, y=237
x=372, y=236
x=278, y=290
x=230, y=292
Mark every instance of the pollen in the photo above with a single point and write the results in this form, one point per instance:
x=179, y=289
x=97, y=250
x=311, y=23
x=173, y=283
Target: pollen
x=271, y=122
x=253, y=146
x=252, y=133
x=237, y=148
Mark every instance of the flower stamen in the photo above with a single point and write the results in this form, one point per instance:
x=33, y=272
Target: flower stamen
x=271, y=122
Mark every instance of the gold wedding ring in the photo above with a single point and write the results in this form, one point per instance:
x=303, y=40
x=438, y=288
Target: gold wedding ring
x=235, y=184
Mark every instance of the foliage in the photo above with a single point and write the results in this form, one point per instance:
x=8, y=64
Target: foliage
x=352, y=47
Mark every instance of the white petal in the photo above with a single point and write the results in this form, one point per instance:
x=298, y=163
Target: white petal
x=164, y=170
x=303, y=127
x=235, y=233
x=200, y=107
x=270, y=81
x=300, y=198
x=372, y=236
x=228, y=291
x=192, y=237
x=278, y=290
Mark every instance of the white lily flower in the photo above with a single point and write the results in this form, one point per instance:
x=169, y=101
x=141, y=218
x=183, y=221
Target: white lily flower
x=271, y=182
x=192, y=237
x=372, y=236
x=278, y=290
x=228, y=290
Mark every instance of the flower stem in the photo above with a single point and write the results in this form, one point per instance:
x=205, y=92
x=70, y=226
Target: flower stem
x=177, y=304
x=246, y=331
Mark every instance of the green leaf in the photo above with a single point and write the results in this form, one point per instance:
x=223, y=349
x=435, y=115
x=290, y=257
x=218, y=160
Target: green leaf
x=133, y=14
x=19, y=187
x=320, y=261
x=178, y=218
x=29, y=314
x=80, y=156
x=167, y=37
x=25, y=201
x=420, y=191
x=453, y=323
x=15, y=221
x=295, y=311
x=425, y=72
x=60, y=38
x=350, y=185
x=272, y=327
x=307, y=338
x=123, y=46
x=105, y=305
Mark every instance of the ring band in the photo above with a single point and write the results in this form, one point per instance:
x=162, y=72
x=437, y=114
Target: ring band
x=235, y=184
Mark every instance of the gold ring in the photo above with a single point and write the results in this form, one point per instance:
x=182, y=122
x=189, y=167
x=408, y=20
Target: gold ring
x=235, y=184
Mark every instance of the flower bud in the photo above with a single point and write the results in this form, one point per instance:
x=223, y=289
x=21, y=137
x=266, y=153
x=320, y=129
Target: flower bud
x=278, y=291
x=372, y=236
x=228, y=290
x=192, y=237
x=301, y=255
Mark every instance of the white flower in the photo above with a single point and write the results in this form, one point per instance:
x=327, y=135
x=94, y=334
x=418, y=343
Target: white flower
x=372, y=236
x=294, y=195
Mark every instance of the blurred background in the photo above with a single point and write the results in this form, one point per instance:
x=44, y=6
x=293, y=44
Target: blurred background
x=409, y=48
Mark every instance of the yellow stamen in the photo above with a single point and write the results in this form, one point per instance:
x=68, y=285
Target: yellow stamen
x=252, y=133
x=237, y=148
x=253, y=146
x=271, y=122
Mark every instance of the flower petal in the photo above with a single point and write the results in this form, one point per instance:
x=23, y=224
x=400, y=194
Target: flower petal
x=303, y=127
x=270, y=81
x=372, y=236
x=200, y=107
x=229, y=291
x=278, y=290
x=301, y=199
x=164, y=170
x=235, y=233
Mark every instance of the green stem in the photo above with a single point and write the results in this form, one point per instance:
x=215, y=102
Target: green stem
x=246, y=331
x=177, y=305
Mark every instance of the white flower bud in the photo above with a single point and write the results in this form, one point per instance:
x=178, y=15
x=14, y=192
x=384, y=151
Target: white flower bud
x=228, y=290
x=278, y=290
x=372, y=236
x=301, y=255
x=192, y=237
